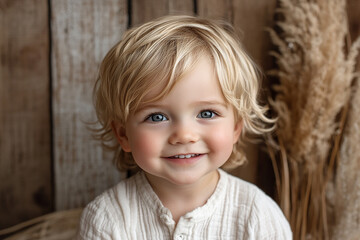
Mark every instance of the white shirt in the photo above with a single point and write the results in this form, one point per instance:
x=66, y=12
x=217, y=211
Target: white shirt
x=132, y=210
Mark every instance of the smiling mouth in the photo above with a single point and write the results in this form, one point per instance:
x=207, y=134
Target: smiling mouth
x=182, y=156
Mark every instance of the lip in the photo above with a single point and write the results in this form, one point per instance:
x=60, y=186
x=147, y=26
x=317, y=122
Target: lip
x=178, y=159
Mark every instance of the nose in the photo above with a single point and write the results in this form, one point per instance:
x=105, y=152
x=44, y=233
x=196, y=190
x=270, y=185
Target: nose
x=183, y=134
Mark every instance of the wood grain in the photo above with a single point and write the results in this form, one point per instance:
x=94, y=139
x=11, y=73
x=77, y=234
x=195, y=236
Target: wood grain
x=143, y=10
x=25, y=158
x=250, y=18
x=253, y=17
x=353, y=10
x=82, y=32
x=214, y=9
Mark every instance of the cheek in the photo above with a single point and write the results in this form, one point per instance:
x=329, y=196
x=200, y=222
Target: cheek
x=220, y=139
x=144, y=145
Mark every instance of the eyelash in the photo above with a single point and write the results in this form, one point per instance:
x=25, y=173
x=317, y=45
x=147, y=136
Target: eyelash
x=150, y=118
x=213, y=112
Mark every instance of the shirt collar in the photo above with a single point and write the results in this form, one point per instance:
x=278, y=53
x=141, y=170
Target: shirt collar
x=152, y=201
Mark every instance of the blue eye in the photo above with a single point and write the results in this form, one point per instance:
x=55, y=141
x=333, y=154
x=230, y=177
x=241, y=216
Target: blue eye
x=157, y=117
x=206, y=114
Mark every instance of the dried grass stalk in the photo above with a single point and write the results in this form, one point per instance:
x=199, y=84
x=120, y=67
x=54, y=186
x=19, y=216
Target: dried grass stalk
x=61, y=225
x=315, y=77
x=347, y=179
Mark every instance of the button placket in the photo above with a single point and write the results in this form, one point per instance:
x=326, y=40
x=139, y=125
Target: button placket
x=179, y=237
x=182, y=228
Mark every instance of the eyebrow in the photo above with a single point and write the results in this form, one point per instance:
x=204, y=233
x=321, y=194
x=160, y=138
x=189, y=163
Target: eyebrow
x=154, y=105
x=223, y=104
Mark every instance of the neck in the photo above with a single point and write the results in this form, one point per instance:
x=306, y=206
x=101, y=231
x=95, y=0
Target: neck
x=184, y=198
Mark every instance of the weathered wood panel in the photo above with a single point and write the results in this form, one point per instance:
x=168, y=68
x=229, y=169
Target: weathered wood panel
x=25, y=158
x=221, y=10
x=353, y=10
x=251, y=18
x=143, y=10
x=82, y=32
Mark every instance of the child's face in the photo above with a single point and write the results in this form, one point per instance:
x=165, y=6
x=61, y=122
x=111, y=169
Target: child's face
x=187, y=134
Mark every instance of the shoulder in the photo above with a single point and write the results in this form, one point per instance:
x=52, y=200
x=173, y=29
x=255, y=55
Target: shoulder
x=261, y=214
x=268, y=220
x=244, y=193
x=99, y=217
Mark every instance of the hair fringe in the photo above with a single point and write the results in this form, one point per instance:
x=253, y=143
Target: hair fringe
x=165, y=49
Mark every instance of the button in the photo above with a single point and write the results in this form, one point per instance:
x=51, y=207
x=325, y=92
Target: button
x=164, y=218
x=179, y=237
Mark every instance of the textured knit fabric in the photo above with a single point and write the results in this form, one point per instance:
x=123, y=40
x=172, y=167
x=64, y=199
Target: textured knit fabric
x=132, y=210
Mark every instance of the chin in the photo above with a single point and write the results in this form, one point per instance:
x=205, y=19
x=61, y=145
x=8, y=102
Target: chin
x=186, y=178
x=182, y=182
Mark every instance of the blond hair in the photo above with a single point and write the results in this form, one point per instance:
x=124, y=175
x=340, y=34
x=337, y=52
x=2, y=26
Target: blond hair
x=159, y=53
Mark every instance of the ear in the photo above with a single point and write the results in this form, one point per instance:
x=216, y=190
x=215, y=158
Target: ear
x=237, y=130
x=120, y=133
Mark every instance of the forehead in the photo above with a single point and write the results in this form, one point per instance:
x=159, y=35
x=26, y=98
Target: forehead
x=199, y=83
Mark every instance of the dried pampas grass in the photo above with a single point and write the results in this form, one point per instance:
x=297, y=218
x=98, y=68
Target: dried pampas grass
x=347, y=179
x=315, y=78
x=61, y=225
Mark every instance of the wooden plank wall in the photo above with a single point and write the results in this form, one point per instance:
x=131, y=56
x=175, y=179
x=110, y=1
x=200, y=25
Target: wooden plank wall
x=50, y=51
x=250, y=18
x=82, y=32
x=25, y=149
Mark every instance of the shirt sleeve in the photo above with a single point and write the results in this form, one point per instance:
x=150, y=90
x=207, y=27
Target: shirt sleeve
x=268, y=220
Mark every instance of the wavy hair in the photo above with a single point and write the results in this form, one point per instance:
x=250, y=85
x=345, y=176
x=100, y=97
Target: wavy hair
x=160, y=52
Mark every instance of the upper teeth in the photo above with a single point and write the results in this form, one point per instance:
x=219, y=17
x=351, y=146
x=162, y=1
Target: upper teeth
x=186, y=156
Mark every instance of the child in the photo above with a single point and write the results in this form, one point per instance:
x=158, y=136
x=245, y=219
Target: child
x=176, y=93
